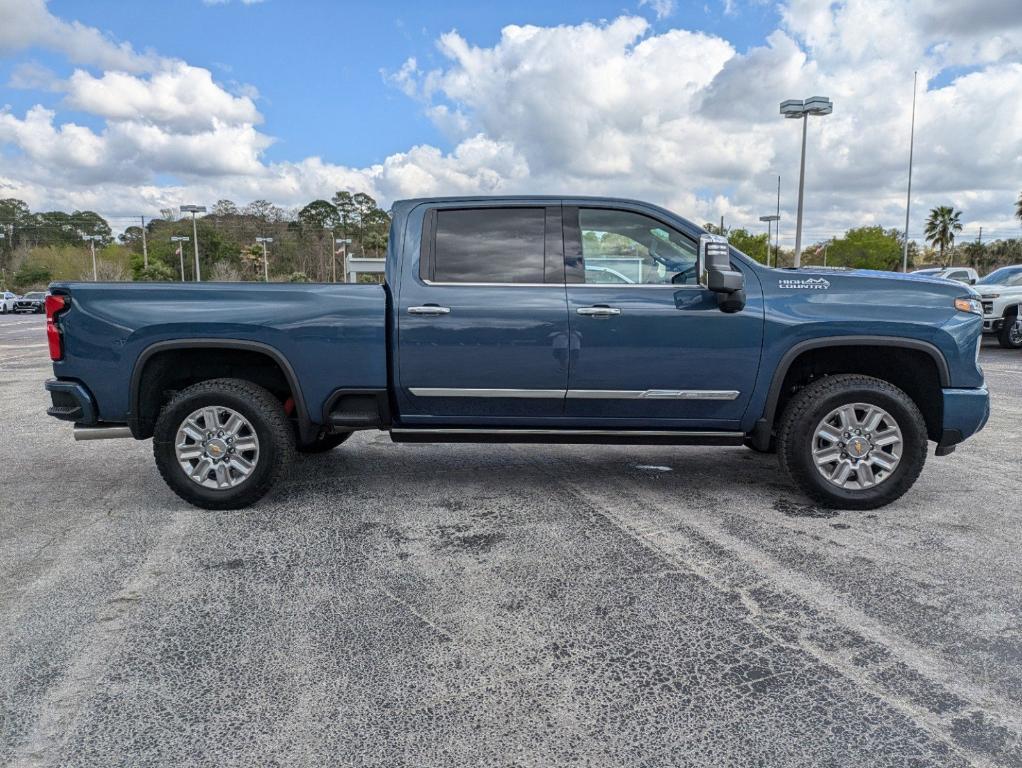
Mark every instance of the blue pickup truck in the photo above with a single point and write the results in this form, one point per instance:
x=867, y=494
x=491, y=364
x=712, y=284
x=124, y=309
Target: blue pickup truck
x=530, y=319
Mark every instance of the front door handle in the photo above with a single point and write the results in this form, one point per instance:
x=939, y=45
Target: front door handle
x=598, y=311
x=429, y=309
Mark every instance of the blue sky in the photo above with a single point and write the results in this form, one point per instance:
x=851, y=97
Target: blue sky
x=317, y=65
x=131, y=108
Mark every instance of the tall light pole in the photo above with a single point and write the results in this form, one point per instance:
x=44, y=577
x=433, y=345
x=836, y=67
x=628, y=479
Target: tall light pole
x=344, y=243
x=266, y=263
x=194, y=209
x=769, y=220
x=92, y=247
x=794, y=108
x=908, y=194
x=179, y=239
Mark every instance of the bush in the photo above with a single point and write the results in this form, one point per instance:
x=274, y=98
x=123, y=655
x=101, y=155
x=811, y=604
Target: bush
x=298, y=277
x=31, y=277
x=156, y=272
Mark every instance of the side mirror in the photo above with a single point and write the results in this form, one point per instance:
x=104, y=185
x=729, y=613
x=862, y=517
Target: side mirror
x=727, y=283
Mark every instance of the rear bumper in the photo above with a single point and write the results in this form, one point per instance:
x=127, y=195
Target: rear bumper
x=965, y=413
x=71, y=402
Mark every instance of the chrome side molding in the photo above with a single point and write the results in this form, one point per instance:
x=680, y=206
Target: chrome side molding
x=458, y=392
x=652, y=394
x=581, y=394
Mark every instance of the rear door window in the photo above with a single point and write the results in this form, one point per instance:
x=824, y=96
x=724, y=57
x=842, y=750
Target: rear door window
x=489, y=245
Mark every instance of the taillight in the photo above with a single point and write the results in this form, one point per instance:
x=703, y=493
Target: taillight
x=54, y=306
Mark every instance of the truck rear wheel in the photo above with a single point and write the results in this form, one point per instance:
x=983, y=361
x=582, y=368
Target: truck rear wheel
x=1009, y=335
x=223, y=443
x=852, y=442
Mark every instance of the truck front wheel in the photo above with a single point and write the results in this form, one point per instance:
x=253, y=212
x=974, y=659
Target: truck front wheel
x=852, y=442
x=1009, y=335
x=223, y=443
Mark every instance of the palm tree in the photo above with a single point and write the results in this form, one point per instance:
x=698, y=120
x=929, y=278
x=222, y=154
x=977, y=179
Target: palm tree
x=1018, y=207
x=940, y=231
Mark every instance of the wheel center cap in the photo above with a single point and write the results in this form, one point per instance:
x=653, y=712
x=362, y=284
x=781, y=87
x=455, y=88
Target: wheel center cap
x=858, y=447
x=216, y=448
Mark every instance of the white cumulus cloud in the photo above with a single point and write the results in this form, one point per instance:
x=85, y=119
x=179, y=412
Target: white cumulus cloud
x=676, y=116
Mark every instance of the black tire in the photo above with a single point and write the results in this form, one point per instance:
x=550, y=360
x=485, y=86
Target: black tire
x=322, y=444
x=1007, y=336
x=265, y=414
x=805, y=411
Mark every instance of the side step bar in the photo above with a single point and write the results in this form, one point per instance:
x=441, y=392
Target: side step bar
x=573, y=436
x=101, y=433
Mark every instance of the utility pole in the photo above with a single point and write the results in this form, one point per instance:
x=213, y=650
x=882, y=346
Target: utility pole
x=180, y=239
x=92, y=247
x=145, y=248
x=908, y=194
x=194, y=209
x=266, y=264
x=344, y=243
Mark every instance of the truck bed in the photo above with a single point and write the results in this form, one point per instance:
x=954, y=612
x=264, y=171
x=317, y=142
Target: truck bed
x=332, y=335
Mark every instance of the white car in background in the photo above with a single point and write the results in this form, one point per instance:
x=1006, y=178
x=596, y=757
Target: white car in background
x=7, y=302
x=1001, y=294
x=966, y=275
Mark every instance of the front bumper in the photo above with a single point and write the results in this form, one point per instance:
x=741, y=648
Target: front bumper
x=71, y=402
x=965, y=413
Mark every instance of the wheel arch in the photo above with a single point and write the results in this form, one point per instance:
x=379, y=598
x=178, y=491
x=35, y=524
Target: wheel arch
x=764, y=426
x=140, y=426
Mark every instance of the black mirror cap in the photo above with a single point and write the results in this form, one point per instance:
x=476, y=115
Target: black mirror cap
x=724, y=280
x=731, y=302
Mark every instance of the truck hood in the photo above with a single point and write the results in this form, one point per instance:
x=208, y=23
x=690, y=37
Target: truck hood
x=998, y=288
x=923, y=282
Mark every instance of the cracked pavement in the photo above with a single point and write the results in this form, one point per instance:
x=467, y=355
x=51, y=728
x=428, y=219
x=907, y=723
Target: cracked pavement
x=521, y=605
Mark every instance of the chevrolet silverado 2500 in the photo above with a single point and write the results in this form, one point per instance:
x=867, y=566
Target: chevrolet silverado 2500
x=530, y=319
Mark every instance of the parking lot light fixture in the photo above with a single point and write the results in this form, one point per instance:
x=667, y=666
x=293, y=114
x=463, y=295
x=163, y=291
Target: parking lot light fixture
x=179, y=239
x=769, y=220
x=793, y=109
x=194, y=209
x=266, y=265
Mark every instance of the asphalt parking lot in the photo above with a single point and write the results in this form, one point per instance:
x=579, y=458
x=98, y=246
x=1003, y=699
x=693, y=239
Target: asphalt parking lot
x=503, y=605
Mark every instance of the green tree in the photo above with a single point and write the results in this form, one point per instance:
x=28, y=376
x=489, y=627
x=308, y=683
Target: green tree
x=749, y=244
x=866, y=248
x=224, y=208
x=1018, y=207
x=941, y=226
x=345, y=205
x=318, y=216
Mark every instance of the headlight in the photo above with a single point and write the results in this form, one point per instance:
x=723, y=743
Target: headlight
x=969, y=305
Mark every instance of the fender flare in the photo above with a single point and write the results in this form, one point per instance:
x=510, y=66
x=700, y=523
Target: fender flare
x=305, y=426
x=774, y=393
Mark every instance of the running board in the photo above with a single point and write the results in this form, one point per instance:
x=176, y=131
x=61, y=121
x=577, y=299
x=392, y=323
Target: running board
x=575, y=436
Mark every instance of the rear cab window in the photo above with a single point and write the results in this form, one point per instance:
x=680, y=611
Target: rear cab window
x=505, y=246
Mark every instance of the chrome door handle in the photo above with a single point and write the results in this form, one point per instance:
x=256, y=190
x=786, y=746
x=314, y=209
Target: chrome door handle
x=429, y=309
x=598, y=311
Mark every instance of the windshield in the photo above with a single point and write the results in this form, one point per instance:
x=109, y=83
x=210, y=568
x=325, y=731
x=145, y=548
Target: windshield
x=1003, y=276
x=32, y=296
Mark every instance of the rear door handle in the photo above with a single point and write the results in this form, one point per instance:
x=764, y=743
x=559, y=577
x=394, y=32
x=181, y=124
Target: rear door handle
x=429, y=309
x=598, y=311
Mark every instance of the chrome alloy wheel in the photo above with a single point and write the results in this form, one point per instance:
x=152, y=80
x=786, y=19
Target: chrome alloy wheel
x=217, y=447
x=857, y=446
